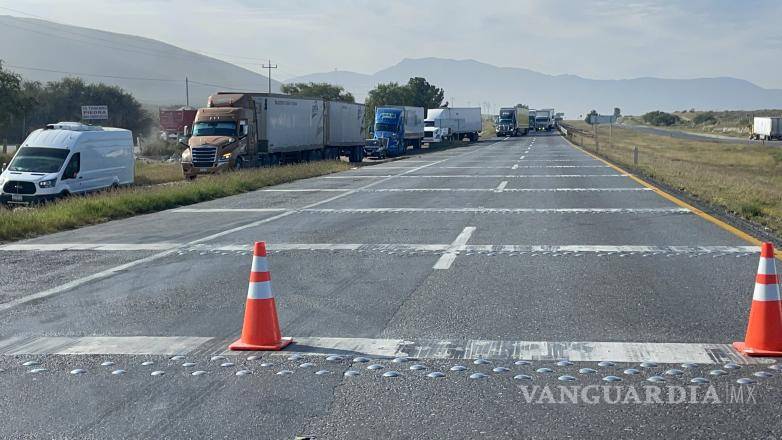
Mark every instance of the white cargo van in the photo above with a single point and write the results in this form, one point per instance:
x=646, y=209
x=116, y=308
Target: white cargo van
x=68, y=158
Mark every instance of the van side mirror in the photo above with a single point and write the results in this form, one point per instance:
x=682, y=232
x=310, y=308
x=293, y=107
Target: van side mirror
x=186, y=131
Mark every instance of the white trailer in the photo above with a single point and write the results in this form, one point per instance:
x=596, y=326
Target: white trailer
x=346, y=131
x=767, y=128
x=414, y=125
x=289, y=124
x=443, y=124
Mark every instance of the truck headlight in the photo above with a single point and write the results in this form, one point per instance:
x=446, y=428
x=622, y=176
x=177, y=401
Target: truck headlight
x=187, y=155
x=225, y=157
x=47, y=183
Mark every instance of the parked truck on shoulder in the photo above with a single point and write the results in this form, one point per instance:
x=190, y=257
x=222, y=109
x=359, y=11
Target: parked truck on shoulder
x=544, y=119
x=452, y=124
x=767, y=128
x=238, y=130
x=395, y=129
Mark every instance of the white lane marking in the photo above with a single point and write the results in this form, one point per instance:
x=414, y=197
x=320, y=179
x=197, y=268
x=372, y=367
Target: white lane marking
x=479, y=176
x=132, y=345
x=488, y=189
x=522, y=157
x=517, y=166
x=217, y=210
x=306, y=190
x=454, y=210
x=582, y=351
x=113, y=270
x=501, y=186
x=447, y=259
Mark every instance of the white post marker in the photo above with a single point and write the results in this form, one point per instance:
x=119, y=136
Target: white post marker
x=447, y=259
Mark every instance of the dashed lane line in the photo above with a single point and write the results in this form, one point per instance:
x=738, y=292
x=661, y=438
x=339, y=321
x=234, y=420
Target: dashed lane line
x=630, y=352
x=468, y=176
x=466, y=190
x=501, y=187
x=447, y=259
x=385, y=247
x=447, y=210
x=123, y=267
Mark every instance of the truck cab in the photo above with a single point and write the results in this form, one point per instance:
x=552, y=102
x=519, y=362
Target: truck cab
x=390, y=128
x=219, y=138
x=506, y=126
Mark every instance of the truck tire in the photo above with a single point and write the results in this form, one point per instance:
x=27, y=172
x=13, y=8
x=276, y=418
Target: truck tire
x=238, y=163
x=356, y=155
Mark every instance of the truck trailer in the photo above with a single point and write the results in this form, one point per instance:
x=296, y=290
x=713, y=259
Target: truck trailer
x=395, y=129
x=238, y=130
x=767, y=128
x=451, y=124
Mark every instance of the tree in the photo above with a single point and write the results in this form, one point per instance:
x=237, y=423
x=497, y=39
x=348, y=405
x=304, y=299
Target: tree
x=660, y=118
x=588, y=118
x=418, y=92
x=422, y=94
x=319, y=90
x=10, y=89
x=617, y=112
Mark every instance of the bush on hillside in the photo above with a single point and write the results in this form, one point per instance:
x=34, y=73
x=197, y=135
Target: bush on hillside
x=705, y=118
x=659, y=118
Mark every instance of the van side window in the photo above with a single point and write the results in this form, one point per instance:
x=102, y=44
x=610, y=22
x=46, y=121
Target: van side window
x=72, y=169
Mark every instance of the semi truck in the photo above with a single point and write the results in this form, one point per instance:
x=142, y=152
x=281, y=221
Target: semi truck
x=451, y=124
x=238, y=130
x=174, y=120
x=767, y=128
x=544, y=119
x=513, y=121
x=395, y=129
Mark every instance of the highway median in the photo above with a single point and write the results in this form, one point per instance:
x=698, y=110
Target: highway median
x=77, y=211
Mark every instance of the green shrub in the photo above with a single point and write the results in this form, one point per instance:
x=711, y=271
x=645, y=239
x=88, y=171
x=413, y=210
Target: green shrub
x=161, y=148
x=705, y=118
x=659, y=118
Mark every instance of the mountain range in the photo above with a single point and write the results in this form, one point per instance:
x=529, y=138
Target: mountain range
x=469, y=82
x=155, y=73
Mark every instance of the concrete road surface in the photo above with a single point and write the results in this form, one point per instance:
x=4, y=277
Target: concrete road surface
x=515, y=288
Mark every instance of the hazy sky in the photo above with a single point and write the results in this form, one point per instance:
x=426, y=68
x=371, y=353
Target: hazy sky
x=606, y=39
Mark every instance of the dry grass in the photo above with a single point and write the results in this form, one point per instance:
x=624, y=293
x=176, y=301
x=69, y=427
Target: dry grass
x=78, y=211
x=744, y=179
x=153, y=173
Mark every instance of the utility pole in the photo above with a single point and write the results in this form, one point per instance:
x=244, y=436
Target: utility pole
x=270, y=67
x=187, y=92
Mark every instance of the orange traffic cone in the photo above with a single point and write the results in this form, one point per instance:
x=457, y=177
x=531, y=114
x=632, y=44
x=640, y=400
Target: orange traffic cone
x=764, y=332
x=261, y=329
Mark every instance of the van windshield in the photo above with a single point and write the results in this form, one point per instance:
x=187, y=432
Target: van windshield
x=39, y=160
x=214, y=129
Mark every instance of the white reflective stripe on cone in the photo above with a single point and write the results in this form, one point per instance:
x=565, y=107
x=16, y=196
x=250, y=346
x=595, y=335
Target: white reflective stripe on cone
x=260, y=264
x=767, y=266
x=261, y=290
x=766, y=292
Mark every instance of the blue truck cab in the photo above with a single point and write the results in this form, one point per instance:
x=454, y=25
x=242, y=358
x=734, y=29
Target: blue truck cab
x=390, y=126
x=396, y=128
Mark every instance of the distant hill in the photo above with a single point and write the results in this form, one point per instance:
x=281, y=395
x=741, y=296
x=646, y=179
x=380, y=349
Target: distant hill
x=54, y=47
x=478, y=83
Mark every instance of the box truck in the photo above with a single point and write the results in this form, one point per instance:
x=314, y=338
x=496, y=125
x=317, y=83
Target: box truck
x=395, y=129
x=513, y=121
x=544, y=119
x=447, y=124
x=68, y=158
x=238, y=130
x=766, y=128
x=174, y=120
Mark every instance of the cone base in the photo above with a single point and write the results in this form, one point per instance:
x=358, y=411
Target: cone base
x=747, y=351
x=243, y=346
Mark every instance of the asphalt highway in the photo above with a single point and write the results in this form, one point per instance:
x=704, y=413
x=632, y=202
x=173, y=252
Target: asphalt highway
x=503, y=257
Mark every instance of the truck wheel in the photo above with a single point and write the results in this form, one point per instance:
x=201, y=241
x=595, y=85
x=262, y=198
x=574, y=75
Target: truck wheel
x=238, y=164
